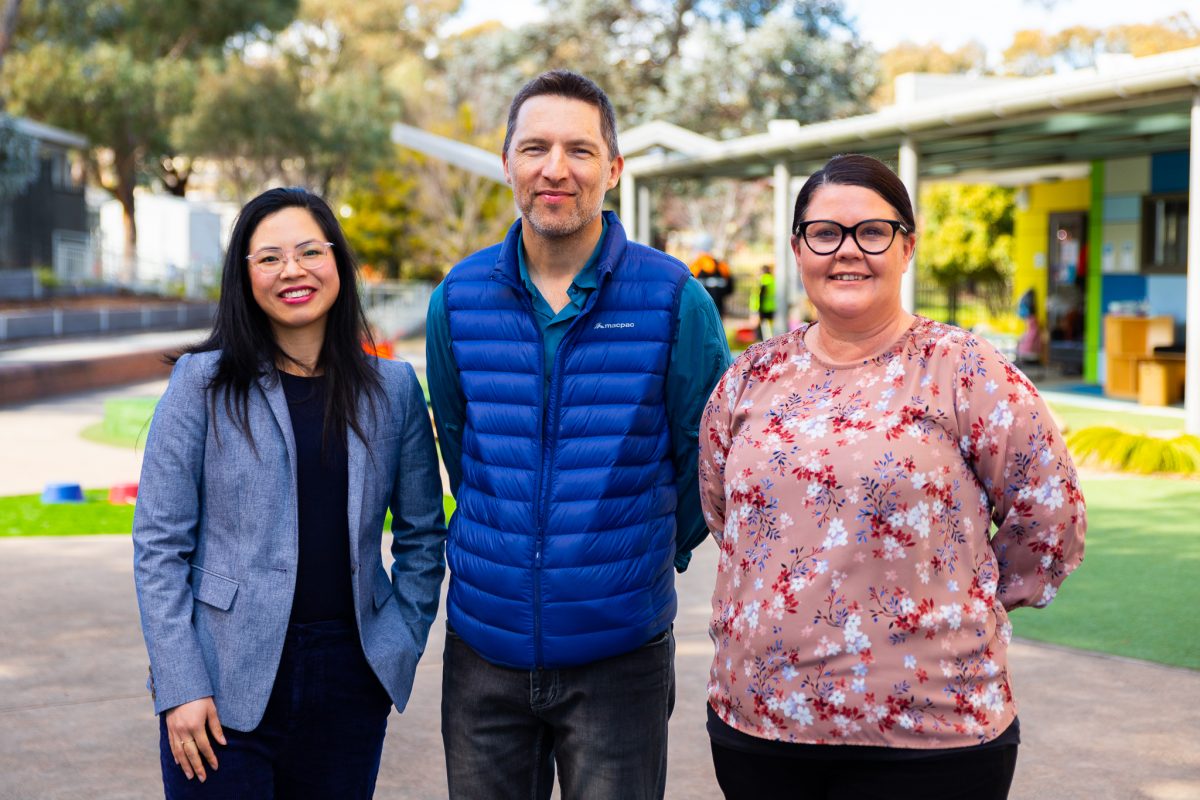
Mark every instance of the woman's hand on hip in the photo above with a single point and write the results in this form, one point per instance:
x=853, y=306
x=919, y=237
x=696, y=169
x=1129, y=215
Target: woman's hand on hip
x=188, y=726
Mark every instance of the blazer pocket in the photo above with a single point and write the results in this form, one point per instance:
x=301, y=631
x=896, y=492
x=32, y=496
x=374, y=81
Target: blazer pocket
x=383, y=588
x=213, y=589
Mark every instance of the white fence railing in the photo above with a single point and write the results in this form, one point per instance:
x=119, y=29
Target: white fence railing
x=396, y=309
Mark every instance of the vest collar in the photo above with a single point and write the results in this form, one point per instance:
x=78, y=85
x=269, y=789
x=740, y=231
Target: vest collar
x=611, y=252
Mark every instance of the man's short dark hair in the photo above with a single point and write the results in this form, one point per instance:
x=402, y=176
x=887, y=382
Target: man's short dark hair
x=564, y=83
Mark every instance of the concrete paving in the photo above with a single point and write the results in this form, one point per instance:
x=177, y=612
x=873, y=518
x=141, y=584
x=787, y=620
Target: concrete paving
x=75, y=720
x=44, y=437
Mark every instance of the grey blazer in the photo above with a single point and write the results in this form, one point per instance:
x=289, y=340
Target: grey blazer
x=215, y=540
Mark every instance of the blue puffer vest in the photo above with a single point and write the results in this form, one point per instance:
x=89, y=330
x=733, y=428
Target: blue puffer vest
x=562, y=545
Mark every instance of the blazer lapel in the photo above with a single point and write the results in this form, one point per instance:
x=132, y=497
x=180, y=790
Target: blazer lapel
x=356, y=478
x=272, y=389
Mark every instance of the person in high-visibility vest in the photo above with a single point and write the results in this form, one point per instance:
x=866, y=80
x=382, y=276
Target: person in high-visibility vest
x=762, y=303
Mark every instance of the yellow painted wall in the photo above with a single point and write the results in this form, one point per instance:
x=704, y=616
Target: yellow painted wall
x=1031, y=229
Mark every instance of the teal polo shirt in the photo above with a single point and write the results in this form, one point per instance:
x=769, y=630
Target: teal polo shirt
x=554, y=326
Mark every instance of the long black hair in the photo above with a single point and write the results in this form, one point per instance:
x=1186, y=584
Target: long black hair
x=243, y=334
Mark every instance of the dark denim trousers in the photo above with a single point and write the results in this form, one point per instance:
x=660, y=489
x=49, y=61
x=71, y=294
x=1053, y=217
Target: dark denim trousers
x=604, y=724
x=320, y=737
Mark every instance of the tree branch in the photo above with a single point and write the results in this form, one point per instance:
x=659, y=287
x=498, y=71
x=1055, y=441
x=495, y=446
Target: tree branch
x=8, y=24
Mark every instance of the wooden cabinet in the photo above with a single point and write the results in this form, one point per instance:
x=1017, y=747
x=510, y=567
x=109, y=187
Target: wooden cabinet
x=1128, y=340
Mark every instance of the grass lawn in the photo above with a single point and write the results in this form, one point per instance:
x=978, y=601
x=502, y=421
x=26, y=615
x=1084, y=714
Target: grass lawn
x=1076, y=417
x=25, y=515
x=1137, y=590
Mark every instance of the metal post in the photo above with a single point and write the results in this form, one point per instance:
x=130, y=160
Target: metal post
x=1191, y=397
x=643, y=215
x=628, y=187
x=785, y=260
x=909, y=172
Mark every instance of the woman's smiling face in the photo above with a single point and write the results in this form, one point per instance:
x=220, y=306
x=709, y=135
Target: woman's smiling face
x=295, y=299
x=848, y=284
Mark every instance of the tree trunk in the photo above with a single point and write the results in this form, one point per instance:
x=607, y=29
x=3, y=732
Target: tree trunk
x=126, y=170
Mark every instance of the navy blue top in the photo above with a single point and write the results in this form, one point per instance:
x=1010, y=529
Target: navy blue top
x=323, y=589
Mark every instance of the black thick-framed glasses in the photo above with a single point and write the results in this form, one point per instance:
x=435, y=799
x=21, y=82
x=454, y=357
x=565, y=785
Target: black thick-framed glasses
x=873, y=236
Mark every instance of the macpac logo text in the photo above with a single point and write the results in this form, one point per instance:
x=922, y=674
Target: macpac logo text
x=600, y=326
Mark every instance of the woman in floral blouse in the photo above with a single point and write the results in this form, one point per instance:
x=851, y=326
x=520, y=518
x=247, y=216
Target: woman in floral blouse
x=851, y=472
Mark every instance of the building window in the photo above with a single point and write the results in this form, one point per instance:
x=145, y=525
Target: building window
x=66, y=171
x=1164, y=233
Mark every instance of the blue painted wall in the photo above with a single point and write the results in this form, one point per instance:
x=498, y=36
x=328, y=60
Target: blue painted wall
x=1169, y=172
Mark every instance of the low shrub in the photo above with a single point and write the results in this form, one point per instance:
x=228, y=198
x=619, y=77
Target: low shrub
x=1125, y=451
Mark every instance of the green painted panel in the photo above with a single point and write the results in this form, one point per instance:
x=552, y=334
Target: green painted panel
x=1091, y=331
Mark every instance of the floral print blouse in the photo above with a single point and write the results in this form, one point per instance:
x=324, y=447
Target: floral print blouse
x=861, y=596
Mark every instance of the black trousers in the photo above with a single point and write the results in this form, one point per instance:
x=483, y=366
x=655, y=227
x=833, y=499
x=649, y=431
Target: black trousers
x=974, y=774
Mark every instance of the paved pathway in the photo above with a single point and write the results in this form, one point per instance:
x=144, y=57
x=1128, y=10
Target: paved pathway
x=44, y=443
x=75, y=720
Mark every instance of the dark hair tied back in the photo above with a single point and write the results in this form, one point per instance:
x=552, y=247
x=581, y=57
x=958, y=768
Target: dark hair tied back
x=853, y=169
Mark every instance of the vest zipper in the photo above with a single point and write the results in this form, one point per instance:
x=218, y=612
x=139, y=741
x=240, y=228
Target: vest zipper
x=549, y=433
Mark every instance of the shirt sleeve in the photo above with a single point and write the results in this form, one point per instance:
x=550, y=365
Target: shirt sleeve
x=699, y=357
x=418, y=521
x=445, y=390
x=1017, y=452
x=715, y=438
x=166, y=523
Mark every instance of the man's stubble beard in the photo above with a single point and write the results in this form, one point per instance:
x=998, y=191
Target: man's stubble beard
x=562, y=228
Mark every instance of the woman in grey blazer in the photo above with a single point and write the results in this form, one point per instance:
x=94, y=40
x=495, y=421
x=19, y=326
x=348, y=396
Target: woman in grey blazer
x=277, y=640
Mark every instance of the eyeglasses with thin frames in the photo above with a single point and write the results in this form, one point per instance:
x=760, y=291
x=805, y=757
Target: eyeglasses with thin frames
x=873, y=236
x=309, y=255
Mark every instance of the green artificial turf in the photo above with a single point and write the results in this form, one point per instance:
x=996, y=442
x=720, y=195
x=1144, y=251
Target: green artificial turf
x=26, y=515
x=1077, y=417
x=1136, y=593
x=126, y=422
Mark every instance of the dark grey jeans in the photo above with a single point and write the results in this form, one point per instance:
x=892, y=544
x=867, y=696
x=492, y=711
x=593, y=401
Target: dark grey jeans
x=604, y=724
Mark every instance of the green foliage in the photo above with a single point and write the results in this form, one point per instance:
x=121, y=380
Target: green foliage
x=722, y=67
x=966, y=241
x=1140, y=453
x=418, y=216
x=1135, y=594
x=121, y=72
x=967, y=233
x=384, y=224
x=18, y=158
x=46, y=278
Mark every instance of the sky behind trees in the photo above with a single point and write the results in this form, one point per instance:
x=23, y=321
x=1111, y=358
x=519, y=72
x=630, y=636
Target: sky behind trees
x=950, y=23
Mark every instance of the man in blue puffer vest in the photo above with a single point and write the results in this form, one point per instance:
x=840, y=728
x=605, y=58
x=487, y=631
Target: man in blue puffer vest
x=568, y=368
